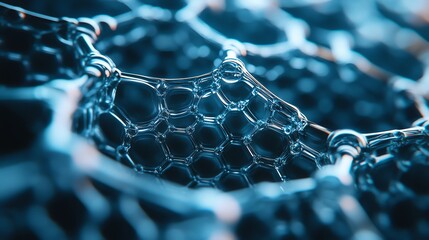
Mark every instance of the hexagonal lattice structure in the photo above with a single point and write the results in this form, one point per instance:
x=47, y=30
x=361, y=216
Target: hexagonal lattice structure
x=33, y=54
x=218, y=123
x=256, y=137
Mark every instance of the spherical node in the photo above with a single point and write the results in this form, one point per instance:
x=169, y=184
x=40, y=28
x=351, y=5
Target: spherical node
x=231, y=71
x=347, y=137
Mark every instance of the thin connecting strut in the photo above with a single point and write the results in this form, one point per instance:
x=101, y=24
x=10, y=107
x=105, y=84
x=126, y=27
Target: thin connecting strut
x=346, y=149
x=93, y=63
x=397, y=138
x=371, y=142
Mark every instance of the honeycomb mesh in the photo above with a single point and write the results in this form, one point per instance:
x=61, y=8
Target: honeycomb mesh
x=393, y=191
x=61, y=199
x=220, y=129
x=230, y=128
x=34, y=50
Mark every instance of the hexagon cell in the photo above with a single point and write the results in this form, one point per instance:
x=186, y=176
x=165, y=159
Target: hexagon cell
x=138, y=101
x=147, y=151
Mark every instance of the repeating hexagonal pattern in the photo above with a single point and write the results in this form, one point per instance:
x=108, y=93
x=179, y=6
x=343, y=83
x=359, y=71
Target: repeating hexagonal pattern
x=34, y=50
x=219, y=129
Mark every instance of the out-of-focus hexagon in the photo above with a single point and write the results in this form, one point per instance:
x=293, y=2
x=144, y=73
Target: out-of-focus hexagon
x=232, y=181
x=111, y=128
x=260, y=173
x=178, y=173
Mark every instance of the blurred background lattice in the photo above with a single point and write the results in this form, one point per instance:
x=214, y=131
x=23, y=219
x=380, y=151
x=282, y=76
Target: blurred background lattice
x=231, y=148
